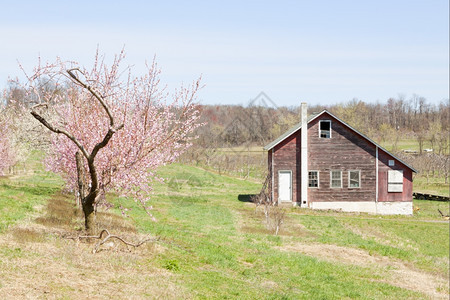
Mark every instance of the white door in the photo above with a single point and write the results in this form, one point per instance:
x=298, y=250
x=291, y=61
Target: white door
x=285, y=188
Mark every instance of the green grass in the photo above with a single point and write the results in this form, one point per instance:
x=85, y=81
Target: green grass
x=405, y=144
x=429, y=209
x=202, y=220
x=405, y=239
x=213, y=246
x=435, y=186
x=20, y=194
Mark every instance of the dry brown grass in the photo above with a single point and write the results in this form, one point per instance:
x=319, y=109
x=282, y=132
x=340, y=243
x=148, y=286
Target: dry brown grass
x=66, y=269
x=114, y=223
x=27, y=235
x=37, y=262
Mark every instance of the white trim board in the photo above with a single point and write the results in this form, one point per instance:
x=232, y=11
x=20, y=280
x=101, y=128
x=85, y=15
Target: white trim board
x=376, y=174
x=382, y=208
x=273, y=176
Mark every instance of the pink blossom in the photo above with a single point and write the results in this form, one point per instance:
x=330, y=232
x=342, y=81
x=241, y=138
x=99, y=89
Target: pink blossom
x=7, y=157
x=157, y=127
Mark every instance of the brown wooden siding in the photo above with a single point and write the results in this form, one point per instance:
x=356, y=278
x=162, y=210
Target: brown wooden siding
x=286, y=157
x=344, y=151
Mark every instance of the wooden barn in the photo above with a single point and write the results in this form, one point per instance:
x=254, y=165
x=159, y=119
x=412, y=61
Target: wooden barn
x=333, y=166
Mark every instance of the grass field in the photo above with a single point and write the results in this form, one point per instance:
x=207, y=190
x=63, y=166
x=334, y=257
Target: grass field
x=20, y=194
x=405, y=144
x=212, y=245
x=435, y=186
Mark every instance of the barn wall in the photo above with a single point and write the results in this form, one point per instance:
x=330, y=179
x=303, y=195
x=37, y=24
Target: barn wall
x=383, y=168
x=286, y=156
x=344, y=151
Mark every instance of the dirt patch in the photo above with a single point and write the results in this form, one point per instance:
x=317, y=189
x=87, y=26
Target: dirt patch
x=401, y=275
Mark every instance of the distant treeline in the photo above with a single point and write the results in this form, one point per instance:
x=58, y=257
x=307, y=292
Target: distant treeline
x=397, y=118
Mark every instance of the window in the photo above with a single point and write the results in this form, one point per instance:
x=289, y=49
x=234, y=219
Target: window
x=325, y=129
x=336, y=179
x=395, y=181
x=354, y=179
x=391, y=163
x=313, y=179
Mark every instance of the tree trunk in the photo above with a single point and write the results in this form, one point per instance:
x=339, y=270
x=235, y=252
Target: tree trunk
x=80, y=175
x=89, y=217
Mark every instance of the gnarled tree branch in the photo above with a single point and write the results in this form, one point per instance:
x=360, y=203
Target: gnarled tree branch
x=111, y=236
x=93, y=92
x=57, y=130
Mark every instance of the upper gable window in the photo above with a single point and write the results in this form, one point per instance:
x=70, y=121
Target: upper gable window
x=325, y=129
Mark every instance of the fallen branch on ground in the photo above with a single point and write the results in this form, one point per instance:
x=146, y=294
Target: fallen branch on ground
x=108, y=236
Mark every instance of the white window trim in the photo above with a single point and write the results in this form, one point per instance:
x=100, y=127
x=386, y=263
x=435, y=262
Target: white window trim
x=291, y=198
x=359, y=179
x=330, y=128
x=331, y=179
x=318, y=180
x=391, y=162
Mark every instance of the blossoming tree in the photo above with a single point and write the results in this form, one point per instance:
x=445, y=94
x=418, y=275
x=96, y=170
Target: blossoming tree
x=7, y=158
x=112, y=129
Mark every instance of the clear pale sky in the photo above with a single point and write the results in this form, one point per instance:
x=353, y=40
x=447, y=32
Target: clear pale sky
x=322, y=52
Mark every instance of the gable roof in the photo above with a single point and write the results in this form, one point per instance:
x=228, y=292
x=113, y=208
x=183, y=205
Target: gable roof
x=313, y=117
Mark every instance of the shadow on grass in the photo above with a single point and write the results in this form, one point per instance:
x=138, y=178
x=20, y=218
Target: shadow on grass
x=60, y=212
x=246, y=197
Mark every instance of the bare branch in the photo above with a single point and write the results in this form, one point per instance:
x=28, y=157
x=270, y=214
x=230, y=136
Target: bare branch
x=105, y=141
x=111, y=236
x=59, y=131
x=93, y=92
